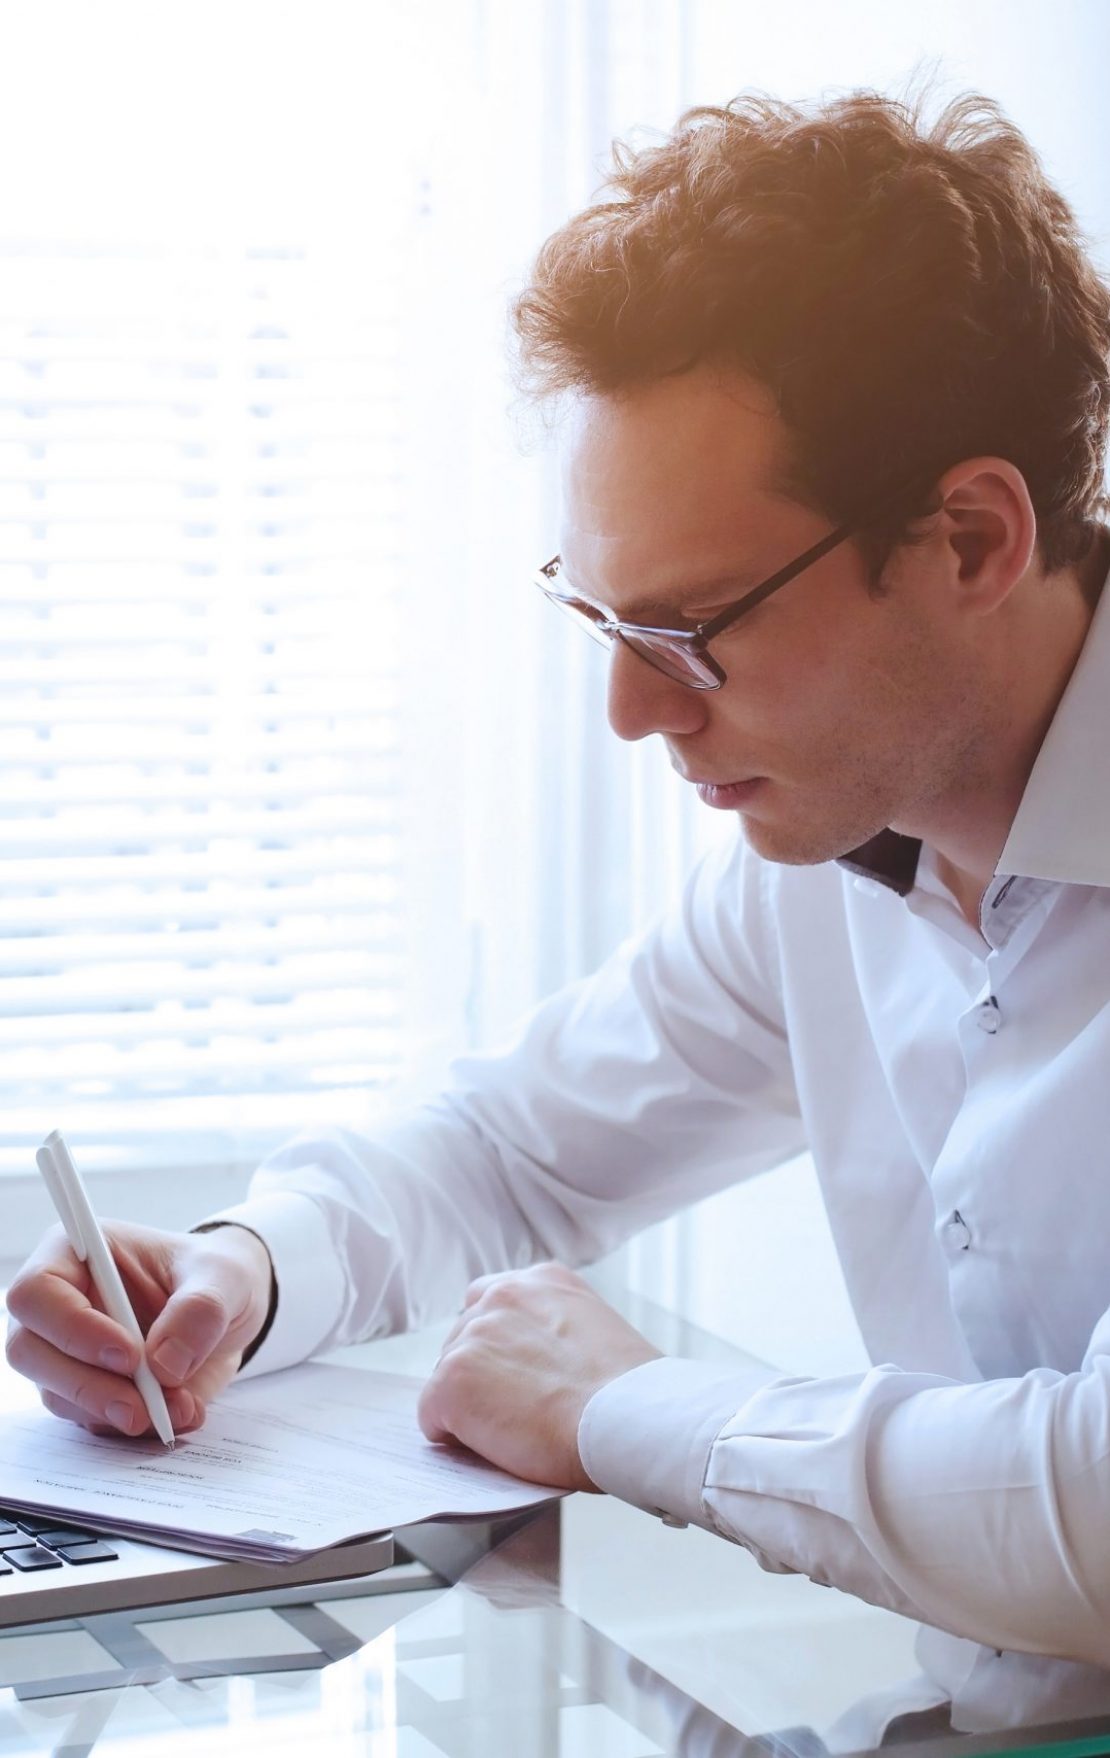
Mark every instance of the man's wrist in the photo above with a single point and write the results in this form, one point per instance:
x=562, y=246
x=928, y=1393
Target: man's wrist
x=257, y=1254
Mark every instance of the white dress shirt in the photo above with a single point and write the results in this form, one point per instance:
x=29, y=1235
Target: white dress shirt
x=954, y=1090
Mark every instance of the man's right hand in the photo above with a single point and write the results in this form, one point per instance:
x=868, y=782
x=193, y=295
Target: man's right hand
x=200, y=1299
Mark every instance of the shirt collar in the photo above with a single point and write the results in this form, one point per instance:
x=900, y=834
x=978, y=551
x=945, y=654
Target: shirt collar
x=1062, y=827
x=889, y=857
x=1061, y=831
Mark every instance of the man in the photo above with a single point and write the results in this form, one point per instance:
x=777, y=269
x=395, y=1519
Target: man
x=837, y=389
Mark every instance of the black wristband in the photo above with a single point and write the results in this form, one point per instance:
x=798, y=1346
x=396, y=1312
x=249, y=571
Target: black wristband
x=271, y=1311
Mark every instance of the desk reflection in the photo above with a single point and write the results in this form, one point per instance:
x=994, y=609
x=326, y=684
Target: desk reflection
x=493, y=1667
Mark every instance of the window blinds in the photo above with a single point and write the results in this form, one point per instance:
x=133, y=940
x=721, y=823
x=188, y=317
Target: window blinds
x=200, y=670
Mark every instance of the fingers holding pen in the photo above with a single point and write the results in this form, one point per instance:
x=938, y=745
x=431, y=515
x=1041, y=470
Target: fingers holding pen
x=50, y=1299
x=81, y=1359
x=186, y=1413
x=202, y=1296
x=104, y=1402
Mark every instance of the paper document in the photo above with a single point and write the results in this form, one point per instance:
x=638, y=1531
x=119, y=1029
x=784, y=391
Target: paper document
x=284, y=1465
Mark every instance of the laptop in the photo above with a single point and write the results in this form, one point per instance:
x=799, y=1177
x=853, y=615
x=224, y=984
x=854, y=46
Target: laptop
x=53, y=1569
x=49, y=1570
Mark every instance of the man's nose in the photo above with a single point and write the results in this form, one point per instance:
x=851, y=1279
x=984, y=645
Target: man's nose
x=643, y=700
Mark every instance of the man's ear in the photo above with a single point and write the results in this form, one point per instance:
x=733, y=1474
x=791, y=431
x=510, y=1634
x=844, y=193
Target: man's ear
x=989, y=528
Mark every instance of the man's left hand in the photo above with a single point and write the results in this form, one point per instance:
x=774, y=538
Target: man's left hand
x=526, y=1355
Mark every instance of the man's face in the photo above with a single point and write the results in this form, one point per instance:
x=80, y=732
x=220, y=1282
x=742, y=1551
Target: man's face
x=843, y=712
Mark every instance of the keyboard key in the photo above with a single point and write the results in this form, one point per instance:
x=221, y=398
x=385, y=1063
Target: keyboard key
x=31, y=1557
x=65, y=1535
x=96, y=1552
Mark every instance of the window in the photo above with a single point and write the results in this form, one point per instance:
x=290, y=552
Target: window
x=202, y=924
x=297, y=788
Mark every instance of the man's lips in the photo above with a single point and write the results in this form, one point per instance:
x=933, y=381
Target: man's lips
x=728, y=795
x=711, y=781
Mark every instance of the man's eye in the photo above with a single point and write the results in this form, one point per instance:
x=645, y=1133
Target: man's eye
x=667, y=617
x=690, y=620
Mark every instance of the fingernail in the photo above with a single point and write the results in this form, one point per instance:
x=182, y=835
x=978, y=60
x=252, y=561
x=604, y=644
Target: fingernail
x=119, y=1414
x=173, y=1358
x=182, y=1408
x=113, y=1358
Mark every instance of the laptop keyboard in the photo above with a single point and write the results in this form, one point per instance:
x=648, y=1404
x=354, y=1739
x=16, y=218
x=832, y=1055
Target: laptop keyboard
x=29, y=1543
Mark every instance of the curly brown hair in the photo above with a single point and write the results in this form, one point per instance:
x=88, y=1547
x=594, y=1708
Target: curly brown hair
x=912, y=293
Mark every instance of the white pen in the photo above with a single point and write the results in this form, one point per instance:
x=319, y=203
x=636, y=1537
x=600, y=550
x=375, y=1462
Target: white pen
x=71, y=1199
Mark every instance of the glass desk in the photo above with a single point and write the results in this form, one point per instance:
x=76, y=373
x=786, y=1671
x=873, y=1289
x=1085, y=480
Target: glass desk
x=586, y=1630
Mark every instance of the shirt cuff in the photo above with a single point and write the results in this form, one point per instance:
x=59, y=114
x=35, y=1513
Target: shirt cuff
x=647, y=1436
x=306, y=1274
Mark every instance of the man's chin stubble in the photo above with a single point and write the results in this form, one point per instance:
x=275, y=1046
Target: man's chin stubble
x=802, y=845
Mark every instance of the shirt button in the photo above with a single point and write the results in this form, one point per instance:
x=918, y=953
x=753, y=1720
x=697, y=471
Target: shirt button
x=988, y=1016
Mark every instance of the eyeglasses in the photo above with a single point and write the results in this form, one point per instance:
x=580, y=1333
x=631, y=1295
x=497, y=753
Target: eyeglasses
x=680, y=654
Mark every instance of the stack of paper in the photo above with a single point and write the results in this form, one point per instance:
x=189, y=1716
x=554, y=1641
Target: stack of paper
x=284, y=1465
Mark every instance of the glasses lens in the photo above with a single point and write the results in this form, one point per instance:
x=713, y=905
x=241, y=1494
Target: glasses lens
x=587, y=616
x=684, y=664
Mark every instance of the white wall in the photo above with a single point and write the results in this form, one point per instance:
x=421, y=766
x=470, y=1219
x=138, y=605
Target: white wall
x=1045, y=61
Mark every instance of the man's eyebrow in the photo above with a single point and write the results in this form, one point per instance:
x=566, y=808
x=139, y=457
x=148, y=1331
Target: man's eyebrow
x=686, y=597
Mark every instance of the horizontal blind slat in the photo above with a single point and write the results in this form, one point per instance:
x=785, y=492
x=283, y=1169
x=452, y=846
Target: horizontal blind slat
x=110, y=991
x=290, y=937
x=356, y=895
x=181, y=1063
x=119, y=1021
x=190, y=712
x=58, y=793
x=111, y=831
x=201, y=750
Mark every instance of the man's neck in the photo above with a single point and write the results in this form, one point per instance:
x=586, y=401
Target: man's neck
x=967, y=888
x=969, y=831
